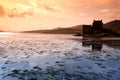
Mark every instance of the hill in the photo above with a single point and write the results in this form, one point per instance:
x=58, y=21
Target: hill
x=113, y=25
x=70, y=30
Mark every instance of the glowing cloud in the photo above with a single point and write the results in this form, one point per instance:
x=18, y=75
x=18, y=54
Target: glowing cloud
x=2, y=11
x=44, y=14
x=15, y=13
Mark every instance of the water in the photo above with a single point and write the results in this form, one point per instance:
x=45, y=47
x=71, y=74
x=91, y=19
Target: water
x=61, y=57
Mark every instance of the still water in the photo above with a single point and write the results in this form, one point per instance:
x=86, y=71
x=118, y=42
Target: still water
x=58, y=57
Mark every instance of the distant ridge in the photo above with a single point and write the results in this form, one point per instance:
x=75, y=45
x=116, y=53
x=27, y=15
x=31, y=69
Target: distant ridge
x=113, y=25
x=59, y=30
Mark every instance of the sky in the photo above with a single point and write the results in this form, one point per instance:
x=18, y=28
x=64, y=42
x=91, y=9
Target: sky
x=23, y=15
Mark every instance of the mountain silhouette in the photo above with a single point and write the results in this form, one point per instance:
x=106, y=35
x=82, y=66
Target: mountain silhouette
x=59, y=30
x=113, y=25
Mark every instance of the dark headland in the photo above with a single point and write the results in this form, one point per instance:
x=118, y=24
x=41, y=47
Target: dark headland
x=97, y=29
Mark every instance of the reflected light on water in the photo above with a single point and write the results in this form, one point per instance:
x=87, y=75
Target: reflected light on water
x=4, y=34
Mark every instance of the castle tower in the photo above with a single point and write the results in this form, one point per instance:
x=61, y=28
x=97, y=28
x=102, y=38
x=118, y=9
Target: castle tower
x=97, y=24
x=87, y=29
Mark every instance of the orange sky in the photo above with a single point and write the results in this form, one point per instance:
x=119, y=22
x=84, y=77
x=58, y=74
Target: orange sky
x=21, y=15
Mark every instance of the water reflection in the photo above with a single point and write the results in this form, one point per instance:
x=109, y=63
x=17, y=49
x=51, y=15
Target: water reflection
x=96, y=44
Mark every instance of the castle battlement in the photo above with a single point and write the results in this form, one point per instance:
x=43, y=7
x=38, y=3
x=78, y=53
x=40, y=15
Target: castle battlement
x=97, y=25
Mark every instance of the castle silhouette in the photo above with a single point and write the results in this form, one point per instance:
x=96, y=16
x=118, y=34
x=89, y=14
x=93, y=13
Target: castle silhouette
x=97, y=29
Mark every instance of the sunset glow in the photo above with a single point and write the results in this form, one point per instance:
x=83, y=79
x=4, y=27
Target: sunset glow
x=22, y=15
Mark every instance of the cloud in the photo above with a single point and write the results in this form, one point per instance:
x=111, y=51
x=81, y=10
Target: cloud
x=111, y=13
x=78, y=8
x=110, y=10
x=105, y=2
x=52, y=8
x=93, y=2
x=76, y=5
x=60, y=7
x=19, y=11
x=2, y=11
x=15, y=13
x=81, y=14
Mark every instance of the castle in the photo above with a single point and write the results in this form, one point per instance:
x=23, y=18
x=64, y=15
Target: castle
x=96, y=27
